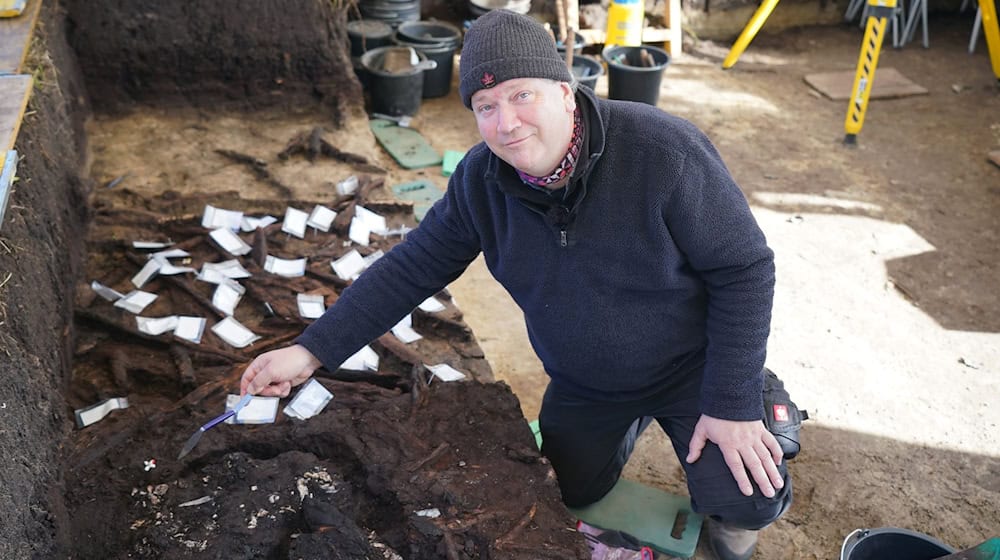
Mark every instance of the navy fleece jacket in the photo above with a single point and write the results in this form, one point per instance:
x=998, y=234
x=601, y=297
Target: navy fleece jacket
x=654, y=268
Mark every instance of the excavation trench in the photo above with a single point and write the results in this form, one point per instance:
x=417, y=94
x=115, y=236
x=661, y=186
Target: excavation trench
x=397, y=465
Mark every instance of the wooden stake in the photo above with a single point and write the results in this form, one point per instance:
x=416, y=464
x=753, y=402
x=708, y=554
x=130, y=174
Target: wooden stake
x=561, y=17
x=569, y=38
x=570, y=43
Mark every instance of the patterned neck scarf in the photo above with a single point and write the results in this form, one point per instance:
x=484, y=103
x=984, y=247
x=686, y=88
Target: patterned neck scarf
x=565, y=167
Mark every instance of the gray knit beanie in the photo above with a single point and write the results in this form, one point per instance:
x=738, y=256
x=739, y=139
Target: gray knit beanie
x=502, y=45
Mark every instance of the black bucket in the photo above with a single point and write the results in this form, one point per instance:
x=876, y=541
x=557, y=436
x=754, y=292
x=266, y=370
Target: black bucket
x=579, y=41
x=437, y=82
x=391, y=12
x=890, y=542
x=628, y=79
x=368, y=34
x=393, y=93
x=587, y=70
x=433, y=33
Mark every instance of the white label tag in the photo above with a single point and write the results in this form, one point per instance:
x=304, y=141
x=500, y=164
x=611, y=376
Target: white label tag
x=190, y=328
x=148, y=271
x=350, y=265
x=105, y=292
x=376, y=223
x=135, y=301
x=311, y=306
x=444, y=372
x=260, y=410
x=347, y=186
x=362, y=360
x=289, y=268
x=215, y=218
x=404, y=331
x=370, y=259
x=156, y=325
x=230, y=242
x=170, y=254
x=168, y=269
x=359, y=233
x=295, y=222
x=234, y=333
x=215, y=273
x=321, y=218
x=151, y=244
x=431, y=305
x=227, y=296
x=311, y=399
x=250, y=224
x=93, y=413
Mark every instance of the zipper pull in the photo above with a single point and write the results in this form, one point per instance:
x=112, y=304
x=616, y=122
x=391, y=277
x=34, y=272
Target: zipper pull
x=562, y=238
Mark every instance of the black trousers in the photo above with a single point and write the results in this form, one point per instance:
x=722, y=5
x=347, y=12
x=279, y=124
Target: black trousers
x=589, y=441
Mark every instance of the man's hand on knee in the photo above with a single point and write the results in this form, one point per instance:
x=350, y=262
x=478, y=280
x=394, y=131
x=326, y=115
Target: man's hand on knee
x=746, y=447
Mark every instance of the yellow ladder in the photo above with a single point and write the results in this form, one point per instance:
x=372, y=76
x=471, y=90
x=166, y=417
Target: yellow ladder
x=879, y=12
x=749, y=32
x=988, y=9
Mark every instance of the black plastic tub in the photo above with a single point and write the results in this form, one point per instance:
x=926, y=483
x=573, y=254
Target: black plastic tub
x=892, y=543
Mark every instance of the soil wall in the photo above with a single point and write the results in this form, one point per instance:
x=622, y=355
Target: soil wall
x=105, y=53
x=228, y=53
x=41, y=242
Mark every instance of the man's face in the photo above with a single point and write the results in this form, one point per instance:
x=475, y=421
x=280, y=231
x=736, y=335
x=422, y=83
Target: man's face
x=527, y=122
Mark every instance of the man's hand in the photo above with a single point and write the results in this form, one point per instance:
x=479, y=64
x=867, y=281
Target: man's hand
x=274, y=373
x=746, y=446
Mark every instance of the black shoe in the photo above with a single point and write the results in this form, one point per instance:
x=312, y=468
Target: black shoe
x=730, y=543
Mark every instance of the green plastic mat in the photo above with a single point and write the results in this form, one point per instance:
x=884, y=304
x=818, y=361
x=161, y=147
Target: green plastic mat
x=423, y=194
x=405, y=145
x=662, y=521
x=988, y=550
x=451, y=159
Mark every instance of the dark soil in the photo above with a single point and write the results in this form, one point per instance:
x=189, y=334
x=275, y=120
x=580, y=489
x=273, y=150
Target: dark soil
x=345, y=484
x=230, y=53
x=41, y=249
x=389, y=445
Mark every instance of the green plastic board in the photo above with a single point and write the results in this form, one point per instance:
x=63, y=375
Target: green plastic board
x=988, y=550
x=405, y=145
x=423, y=194
x=451, y=159
x=662, y=521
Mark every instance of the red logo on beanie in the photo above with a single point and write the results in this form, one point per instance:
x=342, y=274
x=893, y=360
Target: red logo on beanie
x=489, y=80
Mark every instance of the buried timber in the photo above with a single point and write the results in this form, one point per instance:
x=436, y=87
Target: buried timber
x=399, y=464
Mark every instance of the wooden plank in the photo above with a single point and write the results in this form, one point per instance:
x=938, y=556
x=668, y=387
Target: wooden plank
x=15, y=37
x=649, y=35
x=8, y=168
x=889, y=83
x=672, y=15
x=14, y=91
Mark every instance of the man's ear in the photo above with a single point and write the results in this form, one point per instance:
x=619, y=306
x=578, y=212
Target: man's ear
x=569, y=98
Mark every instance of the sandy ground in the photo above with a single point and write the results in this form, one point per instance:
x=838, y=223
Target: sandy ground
x=886, y=318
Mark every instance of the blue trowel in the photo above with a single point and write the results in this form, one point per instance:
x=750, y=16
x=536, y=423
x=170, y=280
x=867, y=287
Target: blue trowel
x=196, y=437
